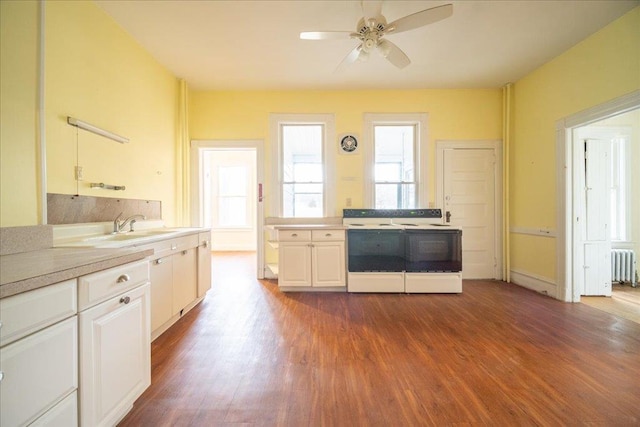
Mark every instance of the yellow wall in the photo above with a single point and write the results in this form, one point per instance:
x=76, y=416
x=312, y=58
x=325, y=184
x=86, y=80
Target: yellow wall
x=453, y=115
x=97, y=73
x=19, y=186
x=598, y=69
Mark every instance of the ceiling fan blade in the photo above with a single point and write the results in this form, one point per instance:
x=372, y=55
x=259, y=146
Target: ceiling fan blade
x=371, y=9
x=350, y=58
x=393, y=53
x=419, y=19
x=325, y=35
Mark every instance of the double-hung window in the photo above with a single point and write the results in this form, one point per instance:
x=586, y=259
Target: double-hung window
x=303, y=170
x=395, y=161
x=620, y=200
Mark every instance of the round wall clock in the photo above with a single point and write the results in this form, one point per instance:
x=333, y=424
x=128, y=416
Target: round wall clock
x=348, y=143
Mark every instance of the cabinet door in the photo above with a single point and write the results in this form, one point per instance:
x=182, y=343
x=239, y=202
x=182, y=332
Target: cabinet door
x=204, y=267
x=328, y=263
x=294, y=264
x=185, y=277
x=115, y=356
x=38, y=371
x=161, y=273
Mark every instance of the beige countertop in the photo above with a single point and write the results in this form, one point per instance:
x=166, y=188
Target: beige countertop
x=25, y=271
x=308, y=226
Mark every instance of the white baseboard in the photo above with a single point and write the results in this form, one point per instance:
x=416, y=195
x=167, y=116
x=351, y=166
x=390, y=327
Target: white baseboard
x=541, y=284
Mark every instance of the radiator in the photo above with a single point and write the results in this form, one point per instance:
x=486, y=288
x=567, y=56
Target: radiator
x=623, y=266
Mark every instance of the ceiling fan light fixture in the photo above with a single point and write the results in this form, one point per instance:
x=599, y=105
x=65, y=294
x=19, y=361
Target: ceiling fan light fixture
x=363, y=56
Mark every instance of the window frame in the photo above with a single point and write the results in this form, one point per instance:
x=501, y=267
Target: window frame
x=276, y=123
x=421, y=153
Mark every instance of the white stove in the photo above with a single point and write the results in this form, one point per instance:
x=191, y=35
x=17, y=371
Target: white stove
x=402, y=250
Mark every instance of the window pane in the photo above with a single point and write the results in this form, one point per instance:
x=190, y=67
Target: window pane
x=232, y=181
x=395, y=144
x=232, y=211
x=394, y=153
x=302, y=200
x=302, y=173
x=307, y=172
x=395, y=196
x=301, y=144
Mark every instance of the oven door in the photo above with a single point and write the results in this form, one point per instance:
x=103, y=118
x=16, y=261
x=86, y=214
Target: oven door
x=433, y=250
x=371, y=250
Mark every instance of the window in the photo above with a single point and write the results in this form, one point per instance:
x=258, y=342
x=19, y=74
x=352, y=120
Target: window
x=303, y=171
x=232, y=196
x=620, y=202
x=397, y=148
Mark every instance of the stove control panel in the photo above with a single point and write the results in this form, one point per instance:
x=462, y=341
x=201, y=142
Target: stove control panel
x=392, y=213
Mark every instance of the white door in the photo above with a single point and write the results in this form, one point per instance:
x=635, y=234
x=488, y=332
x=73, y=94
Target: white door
x=469, y=202
x=597, y=240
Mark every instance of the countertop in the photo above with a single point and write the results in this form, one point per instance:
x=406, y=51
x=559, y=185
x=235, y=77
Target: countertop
x=25, y=271
x=308, y=226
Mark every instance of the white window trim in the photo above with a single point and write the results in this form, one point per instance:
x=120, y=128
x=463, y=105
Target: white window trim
x=276, y=120
x=422, y=152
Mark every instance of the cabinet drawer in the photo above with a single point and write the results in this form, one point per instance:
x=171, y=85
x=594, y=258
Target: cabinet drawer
x=64, y=414
x=28, y=312
x=327, y=235
x=97, y=287
x=294, y=235
x=39, y=371
x=168, y=247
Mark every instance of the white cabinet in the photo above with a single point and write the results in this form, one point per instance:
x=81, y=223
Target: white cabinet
x=185, y=276
x=294, y=265
x=39, y=356
x=161, y=275
x=177, y=282
x=204, y=263
x=311, y=258
x=115, y=345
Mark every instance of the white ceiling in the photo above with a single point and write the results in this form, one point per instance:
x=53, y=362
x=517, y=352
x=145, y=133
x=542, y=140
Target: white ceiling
x=256, y=45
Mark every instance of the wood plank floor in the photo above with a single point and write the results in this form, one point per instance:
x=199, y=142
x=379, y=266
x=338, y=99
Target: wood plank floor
x=495, y=355
x=624, y=302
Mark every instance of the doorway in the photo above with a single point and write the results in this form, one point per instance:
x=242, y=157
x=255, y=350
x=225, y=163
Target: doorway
x=226, y=195
x=572, y=206
x=469, y=192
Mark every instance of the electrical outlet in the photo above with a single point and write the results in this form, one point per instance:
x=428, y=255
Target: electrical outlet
x=348, y=202
x=79, y=173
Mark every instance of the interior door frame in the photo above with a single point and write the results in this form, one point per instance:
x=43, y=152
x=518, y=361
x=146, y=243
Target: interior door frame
x=496, y=146
x=569, y=283
x=198, y=147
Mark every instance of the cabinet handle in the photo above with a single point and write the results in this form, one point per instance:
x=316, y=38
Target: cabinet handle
x=294, y=235
x=159, y=261
x=327, y=235
x=174, y=247
x=123, y=278
x=125, y=300
x=205, y=243
x=184, y=252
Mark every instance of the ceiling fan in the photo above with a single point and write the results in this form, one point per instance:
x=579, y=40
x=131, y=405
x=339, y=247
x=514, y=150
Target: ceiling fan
x=373, y=27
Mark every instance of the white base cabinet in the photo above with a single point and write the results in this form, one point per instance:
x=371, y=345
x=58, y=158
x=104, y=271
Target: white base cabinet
x=115, y=342
x=311, y=259
x=39, y=356
x=38, y=372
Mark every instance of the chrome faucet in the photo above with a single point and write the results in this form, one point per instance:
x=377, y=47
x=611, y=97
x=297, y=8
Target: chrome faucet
x=119, y=225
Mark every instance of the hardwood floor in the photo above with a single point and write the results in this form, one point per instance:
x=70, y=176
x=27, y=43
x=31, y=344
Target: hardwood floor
x=495, y=355
x=624, y=302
